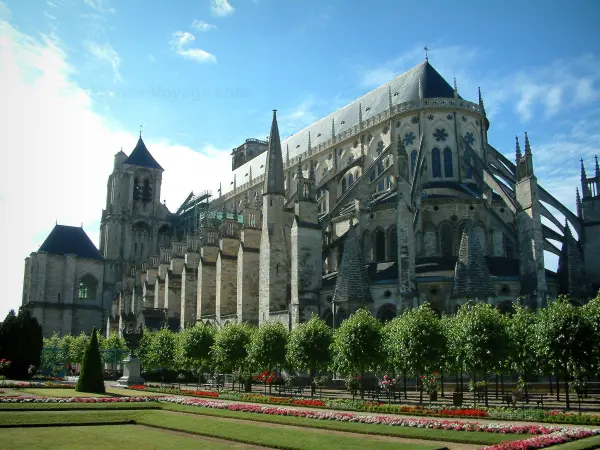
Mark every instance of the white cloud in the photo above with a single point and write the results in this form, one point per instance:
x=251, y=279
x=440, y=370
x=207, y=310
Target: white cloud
x=200, y=25
x=101, y=6
x=106, y=53
x=60, y=153
x=221, y=8
x=180, y=42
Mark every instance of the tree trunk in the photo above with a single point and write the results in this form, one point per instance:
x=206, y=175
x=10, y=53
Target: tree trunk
x=362, y=385
x=442, y=381
x=485, y=395
x=420, y=391
x=473, y=377
x=567, y=393
x=462, y=382
x=550, y=384
x=502, y=383
x=496, y=386
x=457, y=381
x=312, y=383
x=404, y=380
x=557, y=388
x=526, y=388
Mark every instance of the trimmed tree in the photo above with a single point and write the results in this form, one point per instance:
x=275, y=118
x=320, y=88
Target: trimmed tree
x=268, y=347
x=308, y=347
x=21, y=342
x=592, y=312
x=194, y=347
x=522, y=356
x=161, y=352
x=356, y=346
x=91, y=378
x=230, y=350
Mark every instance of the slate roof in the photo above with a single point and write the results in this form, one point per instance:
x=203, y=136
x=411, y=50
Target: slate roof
x=141, y=157
x=471, y=274
x=274, y=181
x=352, y=283
x=64, y=240
x=403, y=88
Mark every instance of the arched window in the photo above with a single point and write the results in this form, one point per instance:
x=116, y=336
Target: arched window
x=446, y=240
x=387, y=162
x=469, y=171
x=356, y=175
x=343, y=185
x=380, y=186
x=87, y=288
x=448, y=172
x=389, y=181
x=436, y=163
x=350, y=180
x=379, y=168
x=379, y=246
x=393, y=244
x=413, y=161
x=386, y=313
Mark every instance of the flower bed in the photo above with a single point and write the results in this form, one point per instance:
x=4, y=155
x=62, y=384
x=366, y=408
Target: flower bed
x=552, y=434
x=558, y=437
x=23, y=399
x=31, y=384
x=500, y=413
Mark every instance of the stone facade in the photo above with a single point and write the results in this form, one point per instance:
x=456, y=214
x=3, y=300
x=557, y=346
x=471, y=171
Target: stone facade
x=407, y=170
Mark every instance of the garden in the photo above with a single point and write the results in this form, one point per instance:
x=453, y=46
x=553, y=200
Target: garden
x=471, y=380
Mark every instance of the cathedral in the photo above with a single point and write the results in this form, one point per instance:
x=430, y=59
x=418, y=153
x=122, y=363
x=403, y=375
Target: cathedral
x=393, y=200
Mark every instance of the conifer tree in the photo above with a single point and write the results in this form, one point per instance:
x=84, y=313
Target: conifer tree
x=91, y=378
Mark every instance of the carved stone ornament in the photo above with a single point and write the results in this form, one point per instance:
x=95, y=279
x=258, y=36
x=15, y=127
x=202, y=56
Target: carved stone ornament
x=131, y=333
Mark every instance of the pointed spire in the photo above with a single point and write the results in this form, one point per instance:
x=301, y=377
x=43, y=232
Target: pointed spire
x=250, y=174
x=299, y=168
x=455, y=89
x=246, y=198
x=287, y=155
x=481, y=105
x=274, y=181
x=333, y=129
x=360, y=114
x=390, y=98
x=518, y=152
x=311, y=170
x=220, y=189
x=352, y=284
x=527, y=146
x=471, y=274
x=597, y=166
x=309, y=144
x=578, y=202
x=234, y=183
x=583, y=175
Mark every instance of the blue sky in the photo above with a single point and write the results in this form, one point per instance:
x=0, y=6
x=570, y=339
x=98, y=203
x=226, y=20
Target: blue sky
x=79, y=77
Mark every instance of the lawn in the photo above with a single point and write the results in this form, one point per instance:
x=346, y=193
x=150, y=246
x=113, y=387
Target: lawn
x=109, y=436
x=264, y=434
x=49, y=392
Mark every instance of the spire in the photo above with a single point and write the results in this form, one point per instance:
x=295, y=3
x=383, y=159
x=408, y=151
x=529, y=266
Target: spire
x=352, y=284
x=246, y=199
x=471, y=274
x=390, y=98
x=220, y=189
x=360, y=114
x=141, y=157
x=597, y=166
x=333, y=129
x=481, y=105
x=578, y=203
x=250, y=174
x=519, y=155
x=274, y=183
x=583, y=175
x=311, y=170
x=299, y=168
x=287, y=155
x=527, y=146
x=309, y=145
x=455, y=89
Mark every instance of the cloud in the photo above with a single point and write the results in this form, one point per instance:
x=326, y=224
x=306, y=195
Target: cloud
x=151, y=58
x=180, y=42
x=61, y=153
x=200, y=25
x=221, y=8
x=101, y=6
x=106, y=53
x=300, y=116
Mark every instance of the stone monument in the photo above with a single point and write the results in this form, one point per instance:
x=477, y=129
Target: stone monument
x=131, y=365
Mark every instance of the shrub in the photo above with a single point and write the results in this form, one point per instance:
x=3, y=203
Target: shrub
x=91, y=378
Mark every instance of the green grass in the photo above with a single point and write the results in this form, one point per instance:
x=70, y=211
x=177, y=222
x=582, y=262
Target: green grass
x=121, y=392
x=77, y=406
x=471, y=437
x=49, y=392
x=582, y=444
x=111, y=436
x=250, y=432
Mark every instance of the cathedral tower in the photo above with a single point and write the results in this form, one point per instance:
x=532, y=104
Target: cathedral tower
x=590, y=214
x=274, y=251
x=529, y=231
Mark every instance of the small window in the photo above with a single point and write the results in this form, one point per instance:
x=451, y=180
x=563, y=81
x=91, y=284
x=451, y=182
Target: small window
x=87, y=288
x=436, y=163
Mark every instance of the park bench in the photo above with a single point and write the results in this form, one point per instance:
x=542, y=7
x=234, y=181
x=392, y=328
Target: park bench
x=295, y=385
x=217, y=382
x=372, y=388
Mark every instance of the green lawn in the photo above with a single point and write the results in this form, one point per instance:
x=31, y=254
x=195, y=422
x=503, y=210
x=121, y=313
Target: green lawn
x=49, y=392
x=110, y=436
x=582, y=444
x=246, y=432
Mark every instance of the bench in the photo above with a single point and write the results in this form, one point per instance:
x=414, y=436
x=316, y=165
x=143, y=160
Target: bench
x=529, y=397
x=294, y=386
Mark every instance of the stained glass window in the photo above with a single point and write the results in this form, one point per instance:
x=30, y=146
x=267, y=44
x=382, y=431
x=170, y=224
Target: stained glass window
x=436, y=163
x=448, y=172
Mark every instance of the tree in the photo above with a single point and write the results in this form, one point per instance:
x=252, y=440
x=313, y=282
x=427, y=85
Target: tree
x=21, y=342
x=267, y=349
x=91, y=377
x=481, y=333
x=417, y=342
x=565, y=336
x=77, y=346
x=522, y=357
x=113, y=349
x=308, y=347
x=194, y=347
x=356, y=346
x=161, y=353
x=230, y=350
x=592, y=312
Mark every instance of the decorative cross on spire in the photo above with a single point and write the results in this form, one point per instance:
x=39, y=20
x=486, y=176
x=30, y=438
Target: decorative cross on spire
x=141, y=131
x=426, y=55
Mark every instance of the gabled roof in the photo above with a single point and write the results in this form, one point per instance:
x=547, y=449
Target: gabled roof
x=141, y=157
x=64, y=240
x=404, y=88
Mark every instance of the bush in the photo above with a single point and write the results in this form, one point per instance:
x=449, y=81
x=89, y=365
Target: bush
x=91, y=378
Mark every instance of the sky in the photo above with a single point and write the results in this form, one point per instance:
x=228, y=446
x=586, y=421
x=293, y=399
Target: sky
x=78, y=78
